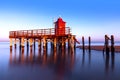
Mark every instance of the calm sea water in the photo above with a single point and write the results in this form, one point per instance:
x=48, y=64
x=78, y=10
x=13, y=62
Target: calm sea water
x=62, y=65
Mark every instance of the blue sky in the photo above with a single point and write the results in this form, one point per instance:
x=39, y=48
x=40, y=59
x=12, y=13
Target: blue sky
x=93, y=18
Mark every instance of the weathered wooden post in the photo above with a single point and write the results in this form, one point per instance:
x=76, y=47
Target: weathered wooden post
x=74, y=43
x=15, y=43
x=107, y=44
x=89, y=48
x=10, y=43
x=52, y=45
x=55, y=41
x=68, y=44
x=20, y=45
x=112, y=44
x=44, y=43
x=27, y=44
x=63, y=45
x=34, y=44
x=89, y=45
x=39, y=45
x=31, y=42
x=58, y=44
x=83, y=44
x=20, y=42
x=39, y=42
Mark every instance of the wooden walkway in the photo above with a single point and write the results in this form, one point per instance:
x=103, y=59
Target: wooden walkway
x=38, y=33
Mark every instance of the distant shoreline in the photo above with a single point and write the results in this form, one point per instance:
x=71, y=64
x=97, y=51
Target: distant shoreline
x=100, y=48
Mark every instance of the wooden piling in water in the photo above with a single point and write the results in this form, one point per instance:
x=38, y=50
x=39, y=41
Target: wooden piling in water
x=15, y=43
x=52, y=44
x=39, y=44
x=68, y=43
x=112, y=44
x=27, y=43
x=20, y=42
x=63, y=44
x=31, y=42
x=11, y=44
x=46, y=45
x=55, y=42
x=83, y=44
x=107, y=44
x=34, y=43
x=89, y=45
x=74, y=44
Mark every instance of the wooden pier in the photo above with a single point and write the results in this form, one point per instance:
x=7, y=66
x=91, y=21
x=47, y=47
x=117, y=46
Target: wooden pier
x=58, y=37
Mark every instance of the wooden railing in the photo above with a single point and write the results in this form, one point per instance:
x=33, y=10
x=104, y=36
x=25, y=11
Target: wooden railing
x=35, y=32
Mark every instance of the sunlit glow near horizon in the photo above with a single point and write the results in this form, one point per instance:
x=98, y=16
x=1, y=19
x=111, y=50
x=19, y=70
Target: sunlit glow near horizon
x=93, y=18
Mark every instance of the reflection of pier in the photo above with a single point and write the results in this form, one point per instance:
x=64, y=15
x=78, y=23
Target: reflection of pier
x=58, y=37
x=109, y=65
x=58, y=60
x=84, y=55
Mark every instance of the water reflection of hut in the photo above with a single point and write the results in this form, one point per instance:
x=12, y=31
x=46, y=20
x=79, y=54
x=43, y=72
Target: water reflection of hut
x=42, y=58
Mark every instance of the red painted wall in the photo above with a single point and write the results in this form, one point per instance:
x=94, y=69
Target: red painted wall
x=60, y=27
